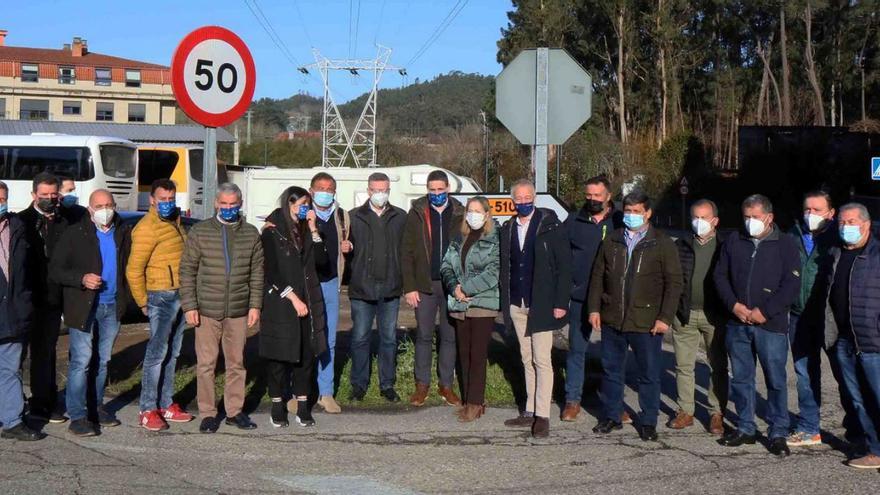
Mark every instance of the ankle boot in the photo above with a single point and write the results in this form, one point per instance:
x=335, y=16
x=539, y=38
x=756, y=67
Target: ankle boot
x=278, y=417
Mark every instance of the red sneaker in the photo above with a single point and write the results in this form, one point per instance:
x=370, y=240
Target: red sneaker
x=152, y=420
x=176, y=414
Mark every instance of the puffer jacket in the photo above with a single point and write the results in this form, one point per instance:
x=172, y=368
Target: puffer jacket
x=221, y=270
x=154, y=263
x=864, y=294
x=480, y=277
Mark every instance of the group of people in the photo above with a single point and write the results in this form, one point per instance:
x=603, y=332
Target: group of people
x=758, y=294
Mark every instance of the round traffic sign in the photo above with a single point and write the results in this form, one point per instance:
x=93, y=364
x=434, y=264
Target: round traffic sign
x=213, y=76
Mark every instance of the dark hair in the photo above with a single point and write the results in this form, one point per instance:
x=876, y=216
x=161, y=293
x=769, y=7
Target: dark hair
x=438, y=175
x=166, y=184
x=818, y=193
x=758, y=200
x=637, y=197
x=706, y=202
x=378, y=177
x=4, y=187
x=322, y=176
x=291, y=195
x=46, y=178
x=599, y=180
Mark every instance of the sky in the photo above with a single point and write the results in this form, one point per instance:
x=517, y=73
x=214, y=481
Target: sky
x=150, y=31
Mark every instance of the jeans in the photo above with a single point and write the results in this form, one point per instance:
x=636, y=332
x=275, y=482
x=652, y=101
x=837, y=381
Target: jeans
x=166, y=335
x=85, y=384
x=647, y=350
x=744, y=343
x=11, y=394
x=426, y=316
x=43, y=354
x=326, y=360
x=686, y=341
x=575, y=362
x=861, y=378
x=806, y=344
x=362, y=314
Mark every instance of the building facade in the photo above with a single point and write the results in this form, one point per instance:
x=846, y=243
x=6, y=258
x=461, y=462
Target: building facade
x=75, y=85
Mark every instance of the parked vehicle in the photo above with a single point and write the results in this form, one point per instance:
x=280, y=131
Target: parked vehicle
x=182, y=164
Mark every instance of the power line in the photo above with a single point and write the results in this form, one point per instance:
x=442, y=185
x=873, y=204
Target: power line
x=302, y=23
x=350, y=13
x=379, y=26
x=357, y=24
x=270, y=31
x=453, y=13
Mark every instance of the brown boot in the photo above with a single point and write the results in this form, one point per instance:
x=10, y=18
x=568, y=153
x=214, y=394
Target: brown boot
x=471, y=412
x=571, y=411
x=716, y=424
x=541, y=428
x=419, y=397
x=449, y=396
x=521, y=421
x=625, y=419
x=681, y=421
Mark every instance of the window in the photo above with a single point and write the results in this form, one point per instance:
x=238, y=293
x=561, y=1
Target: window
x=71, y=107
x=132, y=78
x=156, y=164
x=118, y=161
x=104, y=112
x=24, y=162
x=67, y=75
x=103, y=77
x=137, y=112
x=196, y=164
x=34, y=110
x=30, y=72
x=2, y=108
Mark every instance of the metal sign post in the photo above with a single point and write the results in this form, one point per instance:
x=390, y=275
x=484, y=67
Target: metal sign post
x=209, y=164
x=542, y=99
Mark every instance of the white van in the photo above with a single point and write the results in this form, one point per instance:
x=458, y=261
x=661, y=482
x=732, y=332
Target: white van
x=181, y=163
x=263, y=186
x=94, y=162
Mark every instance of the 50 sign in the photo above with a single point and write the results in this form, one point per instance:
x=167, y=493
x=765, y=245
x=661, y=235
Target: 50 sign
x=213, y=76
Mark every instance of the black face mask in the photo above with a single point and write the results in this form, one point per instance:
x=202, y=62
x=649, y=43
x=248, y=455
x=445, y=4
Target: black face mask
x=47, y=205
x=594, y=207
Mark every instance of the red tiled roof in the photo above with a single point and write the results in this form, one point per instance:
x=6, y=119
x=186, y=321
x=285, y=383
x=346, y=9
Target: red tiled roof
x=64, y=57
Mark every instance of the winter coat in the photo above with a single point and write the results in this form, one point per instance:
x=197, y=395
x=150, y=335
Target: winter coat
x=864, y=294
x=362, y=285
x=585, y=237
x=479, y=279
x=42, y=236
x=415, y=254
x=810, y=302
x=711, y=302
x=16, y=306
x=154, y=263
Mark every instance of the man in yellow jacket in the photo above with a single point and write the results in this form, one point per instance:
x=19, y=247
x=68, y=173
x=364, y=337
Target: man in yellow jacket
x=156, y=247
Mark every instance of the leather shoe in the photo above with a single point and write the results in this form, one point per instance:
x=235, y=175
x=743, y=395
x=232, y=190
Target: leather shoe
x=606, y=426
x=736, y=438
x=521, y=421
x=541, y=427
x=241, y=421
x=357, y=394
x=390, y=395
x=681, y=421
x=419, y=397
x=571, y=411
x=23, y=433
x=716, y=424
x=648, y=433
x=209, y=425
x=449, y=396
x=779, y=447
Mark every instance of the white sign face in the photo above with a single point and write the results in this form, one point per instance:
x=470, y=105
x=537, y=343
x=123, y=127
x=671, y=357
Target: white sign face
x=214, y=76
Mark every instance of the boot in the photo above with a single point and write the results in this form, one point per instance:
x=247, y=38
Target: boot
x=470, y=412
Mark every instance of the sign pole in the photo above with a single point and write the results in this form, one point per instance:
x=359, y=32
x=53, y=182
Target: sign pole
x=542, y=101
x=209, y=172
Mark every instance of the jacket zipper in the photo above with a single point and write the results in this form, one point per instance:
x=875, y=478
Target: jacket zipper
x=852, y=328
x=623, y=291
x=749, y=279
x=171, y=274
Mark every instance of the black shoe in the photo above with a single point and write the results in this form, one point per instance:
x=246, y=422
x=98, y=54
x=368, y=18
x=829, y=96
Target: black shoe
x=241, y=421
x=57, y=418
x=779, y=447
x=607, y=426
x=735, y=439
x=278, y=417
x=648, y=433
x=390, y=395
x=209, y=425
x=304, y=414
x=82, y=428
x=23, y=433
x=107, y=419
x=357, y=394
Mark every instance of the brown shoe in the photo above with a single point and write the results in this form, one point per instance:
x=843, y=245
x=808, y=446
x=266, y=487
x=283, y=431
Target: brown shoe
x=520, y=422
x=571, y=411
x=448, y=396
x=625, y=419
x=470, y=412
x=716, y=424
x=419, y=397
x=681, y=421
x=541, y=428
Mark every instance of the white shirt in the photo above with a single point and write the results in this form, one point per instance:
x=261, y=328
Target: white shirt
x=522, y=225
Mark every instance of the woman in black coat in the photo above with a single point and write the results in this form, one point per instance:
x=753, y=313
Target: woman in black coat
x=293, y=318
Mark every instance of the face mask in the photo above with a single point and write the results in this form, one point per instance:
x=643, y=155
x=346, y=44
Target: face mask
x=69, y=200
x=103, y=216
x=323, y=198
x=437, y=200
x=475, y=220
x=166, y=208
x=379, y=199
x=755, y=227
x=4, y=208
x=814, y=222
x=525, y=209
x=47, y=205
x=229, y=214
x=701, y=227
x=633, y=221
x=594, y=207
x=851, y=234
x=302, y=212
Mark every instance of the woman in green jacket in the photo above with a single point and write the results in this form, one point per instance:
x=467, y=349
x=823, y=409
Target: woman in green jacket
x=470, y=273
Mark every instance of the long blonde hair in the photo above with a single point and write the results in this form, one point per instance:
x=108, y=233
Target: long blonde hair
x=490, y=223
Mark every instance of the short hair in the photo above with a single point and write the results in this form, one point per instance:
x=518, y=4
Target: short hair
x=438, y=175
x=322, y=176
x=378, y=177
x=228, y=188
x=758, y=200
x=166, y=184
x=65, y=178
x=705, y=202
x=818, y=193
x=637, y=197
x=46, y=178
x=863, y=212
x=522, y=183
x=599, y=180
x=4, y=187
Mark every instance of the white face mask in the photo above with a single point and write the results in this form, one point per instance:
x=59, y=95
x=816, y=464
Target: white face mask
x=379, y=199
x=475, y=220
x=755, y=227
x=701, y=227
x=814, y=222
x=103, y=217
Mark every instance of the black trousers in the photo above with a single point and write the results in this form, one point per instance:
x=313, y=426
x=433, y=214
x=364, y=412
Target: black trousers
x=301, y=375
x=473, y=335
x=42, y=342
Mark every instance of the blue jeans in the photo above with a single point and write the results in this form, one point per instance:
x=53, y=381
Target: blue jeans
x=166, y=335
x=647, y=350
x=326, y=360
x=744, y=343
x=362, y=314
x=861, y=378
x=575, y=362
x=99, y=332
x=806, y=347
x=11, y=394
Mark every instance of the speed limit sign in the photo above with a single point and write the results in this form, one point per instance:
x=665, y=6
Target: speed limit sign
x=213, y=76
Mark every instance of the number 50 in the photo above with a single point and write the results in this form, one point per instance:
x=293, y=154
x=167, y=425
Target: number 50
x=202, y=69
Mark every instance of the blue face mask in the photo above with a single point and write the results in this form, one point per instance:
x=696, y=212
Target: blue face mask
x=229, y=214
x=851, y=234
x=323, y=198
x=303, y=211
x=69, y=200
x=633, y=221
x=525, y=209
x=437, y=199
x=166, y=208
x=4, y=208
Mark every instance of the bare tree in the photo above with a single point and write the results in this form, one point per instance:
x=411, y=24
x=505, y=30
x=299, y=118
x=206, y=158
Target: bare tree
x=812, y=75
x=786, y=69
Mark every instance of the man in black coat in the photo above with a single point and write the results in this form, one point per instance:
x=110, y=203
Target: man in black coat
x=89, y=264
x=15, y=318
x=535, y=288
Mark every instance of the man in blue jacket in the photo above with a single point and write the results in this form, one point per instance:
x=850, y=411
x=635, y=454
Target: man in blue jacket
x=758, y=279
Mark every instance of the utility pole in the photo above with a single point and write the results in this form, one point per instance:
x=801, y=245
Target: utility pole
x=248, y=142
x=236, y=148
x=486, y=143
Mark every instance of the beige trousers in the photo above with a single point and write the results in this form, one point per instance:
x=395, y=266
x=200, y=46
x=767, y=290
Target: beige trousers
x=210, y=334
x=535, y=351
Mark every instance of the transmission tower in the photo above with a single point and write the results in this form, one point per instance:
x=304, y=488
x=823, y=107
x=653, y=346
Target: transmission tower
x=338, y=144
